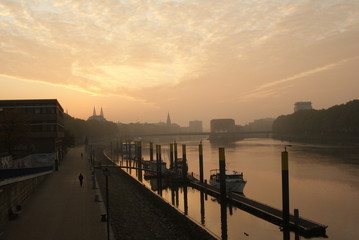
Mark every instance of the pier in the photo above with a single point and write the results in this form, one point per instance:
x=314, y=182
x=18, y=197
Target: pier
x=280, y=217
x=302, y=226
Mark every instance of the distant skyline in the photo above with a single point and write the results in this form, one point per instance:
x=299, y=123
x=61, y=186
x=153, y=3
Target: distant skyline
x=197, y=60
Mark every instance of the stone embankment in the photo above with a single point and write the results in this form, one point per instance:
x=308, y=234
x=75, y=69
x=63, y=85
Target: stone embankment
x=137, y=213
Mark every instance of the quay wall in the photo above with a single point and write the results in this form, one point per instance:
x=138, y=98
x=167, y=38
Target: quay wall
x=13, y=192
x=138, y=204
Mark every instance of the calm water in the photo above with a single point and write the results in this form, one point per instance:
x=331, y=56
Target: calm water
x=324, y=186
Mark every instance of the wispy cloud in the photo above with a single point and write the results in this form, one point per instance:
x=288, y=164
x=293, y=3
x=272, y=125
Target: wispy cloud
x=272, y=88
x=119, y=47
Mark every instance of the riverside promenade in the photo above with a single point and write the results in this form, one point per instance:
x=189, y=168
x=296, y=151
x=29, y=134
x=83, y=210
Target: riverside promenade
x=60, y=209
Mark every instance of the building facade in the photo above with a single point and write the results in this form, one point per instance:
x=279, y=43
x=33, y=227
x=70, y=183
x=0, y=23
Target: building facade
x=41, y=119
x=302, y=106
x=195, y=126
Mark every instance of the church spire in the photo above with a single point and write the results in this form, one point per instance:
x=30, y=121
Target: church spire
x=101, y=114
x=94, y=112
x=168, y=119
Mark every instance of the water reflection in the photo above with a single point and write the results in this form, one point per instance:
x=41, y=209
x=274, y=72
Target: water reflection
x=224, y=219
x=203, y=218
x=316, y=177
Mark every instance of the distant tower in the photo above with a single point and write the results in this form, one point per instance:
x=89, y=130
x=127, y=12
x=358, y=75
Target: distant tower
x=97, y=117
x=168, y=120
x=302, y=106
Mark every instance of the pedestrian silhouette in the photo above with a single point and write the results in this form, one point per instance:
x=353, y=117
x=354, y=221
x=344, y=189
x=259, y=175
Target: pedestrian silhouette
x=80, y=179
x=82, y=156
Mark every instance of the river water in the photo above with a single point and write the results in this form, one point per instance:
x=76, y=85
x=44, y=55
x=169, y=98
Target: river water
x=323, y=180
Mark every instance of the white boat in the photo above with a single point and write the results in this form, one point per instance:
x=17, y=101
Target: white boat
x=234, y=180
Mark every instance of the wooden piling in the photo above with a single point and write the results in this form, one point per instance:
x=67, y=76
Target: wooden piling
x=222, y=172
x=285, y=189
x=171, y=156
x=176, y=156
x=184, y=162
x=151, y=151
x=139, y=160
x=200, y=152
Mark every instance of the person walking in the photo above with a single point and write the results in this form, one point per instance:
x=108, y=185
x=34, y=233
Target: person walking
x=81, y=178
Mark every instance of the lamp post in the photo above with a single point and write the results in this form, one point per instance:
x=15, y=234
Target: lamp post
x=106, y=172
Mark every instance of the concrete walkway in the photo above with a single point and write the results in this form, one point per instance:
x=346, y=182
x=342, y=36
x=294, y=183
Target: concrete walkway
x=60, y=209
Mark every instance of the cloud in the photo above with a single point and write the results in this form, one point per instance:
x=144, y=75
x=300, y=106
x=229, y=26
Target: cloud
x=128, y=47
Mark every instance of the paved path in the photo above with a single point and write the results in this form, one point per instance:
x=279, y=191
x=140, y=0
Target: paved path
x=60, y=209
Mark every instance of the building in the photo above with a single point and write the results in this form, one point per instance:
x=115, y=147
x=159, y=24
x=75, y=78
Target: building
x=195, y=126
x=100, y=117
x=42, y=120
x=302, y=106
x=223, y=126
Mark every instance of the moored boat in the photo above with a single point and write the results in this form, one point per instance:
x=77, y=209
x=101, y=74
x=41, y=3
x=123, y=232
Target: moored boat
x=234, y=180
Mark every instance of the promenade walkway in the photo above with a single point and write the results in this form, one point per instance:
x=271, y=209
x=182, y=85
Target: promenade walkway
x=60, y=209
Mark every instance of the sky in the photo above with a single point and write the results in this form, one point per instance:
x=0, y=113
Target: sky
x=194, y=59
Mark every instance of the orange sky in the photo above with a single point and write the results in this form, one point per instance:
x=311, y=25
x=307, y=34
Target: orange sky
x=198, y=60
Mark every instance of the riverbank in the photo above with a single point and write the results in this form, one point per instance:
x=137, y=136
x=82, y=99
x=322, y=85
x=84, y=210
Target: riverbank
x=137, y=213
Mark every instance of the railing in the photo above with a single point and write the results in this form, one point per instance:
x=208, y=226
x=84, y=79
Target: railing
x=18, y=172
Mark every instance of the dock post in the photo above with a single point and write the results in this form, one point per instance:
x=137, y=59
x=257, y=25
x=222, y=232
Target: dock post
x=129, y=155
x=171, y=156
x=151, y=151
x=160, y=160
x=139, y=163
x=184, y=162
x=222, y=173
x=202, y=208
x=200, y=151
x=157, y=161
x=185, y=200
x=222, y=188
x=285, y=189
x=296, y=223
x=176, y=156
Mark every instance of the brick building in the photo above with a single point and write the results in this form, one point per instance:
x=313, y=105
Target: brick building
x=43, y=120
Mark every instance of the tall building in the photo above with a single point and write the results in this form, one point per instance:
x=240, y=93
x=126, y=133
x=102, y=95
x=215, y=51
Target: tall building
x=302, y=106
x=195, y=126
x=223, y=126
x=43, y=120
x=94, y=116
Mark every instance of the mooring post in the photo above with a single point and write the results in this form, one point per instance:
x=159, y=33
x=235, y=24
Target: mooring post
x=200, y=151
x=139, y=164
x=171, y=156
x=296, y=222
x=157, y=161
x=285, y=188
x=151, y=151
x=121, y=147
x=176, y=157
x=117, y=153
x=202, y=208
x=160, y=160
x=185, y=200
x=184, y=162
x=222, y=173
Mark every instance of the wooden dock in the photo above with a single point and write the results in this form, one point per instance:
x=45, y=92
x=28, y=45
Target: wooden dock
x=302, y=226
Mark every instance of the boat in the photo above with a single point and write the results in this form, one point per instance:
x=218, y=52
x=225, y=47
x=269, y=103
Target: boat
x=151, y=170
x=234, y=180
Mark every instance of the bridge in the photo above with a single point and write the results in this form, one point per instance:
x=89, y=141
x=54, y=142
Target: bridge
x=212, y=136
